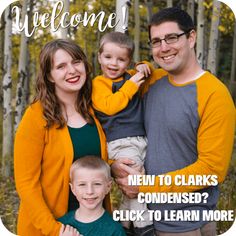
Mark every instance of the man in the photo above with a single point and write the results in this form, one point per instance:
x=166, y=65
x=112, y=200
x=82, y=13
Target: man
x=190, y=123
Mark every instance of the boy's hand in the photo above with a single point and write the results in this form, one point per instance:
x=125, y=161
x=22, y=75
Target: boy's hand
x=137, y=78
x=67, y=230
x=144, y=68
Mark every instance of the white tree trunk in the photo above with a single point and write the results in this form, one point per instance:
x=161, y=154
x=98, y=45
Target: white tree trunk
x=233, y=68
x=65, y=31
x=2, y=26
x=149, y=5
x=122, y=15
x=169, y=3
x=213, y=42
x=136, y=31
x=200, y=33
x=190, y=8
x=22, y=74
x=27, y=79
x=7, y=139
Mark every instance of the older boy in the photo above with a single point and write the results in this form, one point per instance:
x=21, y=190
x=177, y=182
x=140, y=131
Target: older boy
x=90, y=182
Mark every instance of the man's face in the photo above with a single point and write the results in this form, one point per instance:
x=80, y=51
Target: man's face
x=172, y=57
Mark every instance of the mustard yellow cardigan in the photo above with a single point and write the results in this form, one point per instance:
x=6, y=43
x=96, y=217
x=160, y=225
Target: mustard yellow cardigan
x=42, y=159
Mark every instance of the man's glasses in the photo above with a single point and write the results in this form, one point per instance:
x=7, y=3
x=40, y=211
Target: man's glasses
x=169, y=39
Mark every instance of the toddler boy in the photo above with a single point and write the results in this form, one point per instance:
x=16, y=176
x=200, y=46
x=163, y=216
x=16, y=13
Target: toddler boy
x=119, y=108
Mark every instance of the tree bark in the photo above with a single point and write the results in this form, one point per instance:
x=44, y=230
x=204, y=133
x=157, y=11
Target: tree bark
x=232, y=84
x=2, y=25
x=200, y=33
x=149, y=5
x=136, y=31
x=65, y=31
x=21, y=93
x=122, y=15
x=169, y=3
x=7, y=139
x=190, y=8
x=213, y=42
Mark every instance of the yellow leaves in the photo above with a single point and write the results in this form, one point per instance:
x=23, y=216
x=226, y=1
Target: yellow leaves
x=207, y=5
x=221, y=28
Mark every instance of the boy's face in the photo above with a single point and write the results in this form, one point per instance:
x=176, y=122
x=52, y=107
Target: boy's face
x=90, y=187
x=114, y=60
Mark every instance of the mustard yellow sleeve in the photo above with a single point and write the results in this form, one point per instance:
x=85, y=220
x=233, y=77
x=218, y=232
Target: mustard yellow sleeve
x=110, y=103
x=28, y=153
x=214, y=141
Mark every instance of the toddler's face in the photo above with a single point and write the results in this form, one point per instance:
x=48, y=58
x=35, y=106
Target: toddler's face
x=114, y=60
x=90, y=187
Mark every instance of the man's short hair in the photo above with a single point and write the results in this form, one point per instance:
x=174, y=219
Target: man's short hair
x=92, y=163
x=121, y=39
x=173, y=14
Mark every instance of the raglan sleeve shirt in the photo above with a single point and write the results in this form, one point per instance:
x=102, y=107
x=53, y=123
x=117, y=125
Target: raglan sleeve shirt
x=109, y=103
x=215, y=137
x=105, y=101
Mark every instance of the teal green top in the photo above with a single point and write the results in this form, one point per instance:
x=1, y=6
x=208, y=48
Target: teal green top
x=85, y=141
x=104, y=226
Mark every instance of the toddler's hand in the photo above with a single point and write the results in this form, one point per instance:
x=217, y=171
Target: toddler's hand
x=67, y=230
x=144, y=68
x=138, y=78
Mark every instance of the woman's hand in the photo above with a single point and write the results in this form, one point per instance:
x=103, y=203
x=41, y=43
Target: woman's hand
x=67, y=230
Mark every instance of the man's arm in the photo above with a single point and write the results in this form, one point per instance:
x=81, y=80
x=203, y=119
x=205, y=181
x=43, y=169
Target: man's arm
x=215, y=142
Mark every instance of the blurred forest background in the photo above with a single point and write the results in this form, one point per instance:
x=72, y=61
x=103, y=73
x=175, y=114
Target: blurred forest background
x=216, y=51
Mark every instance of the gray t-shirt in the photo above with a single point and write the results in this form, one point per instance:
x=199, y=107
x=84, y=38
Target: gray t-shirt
x=171, y=121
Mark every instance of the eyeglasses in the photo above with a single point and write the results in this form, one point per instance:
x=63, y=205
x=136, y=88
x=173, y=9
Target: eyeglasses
x=169, y=39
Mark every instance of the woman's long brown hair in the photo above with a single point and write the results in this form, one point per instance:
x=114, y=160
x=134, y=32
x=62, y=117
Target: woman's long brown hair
x=45, y=90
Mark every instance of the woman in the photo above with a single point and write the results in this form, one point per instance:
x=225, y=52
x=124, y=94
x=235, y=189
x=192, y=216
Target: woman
x=56, y=129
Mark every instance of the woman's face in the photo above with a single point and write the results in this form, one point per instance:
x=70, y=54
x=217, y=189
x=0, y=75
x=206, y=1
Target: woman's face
x=68, y=74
